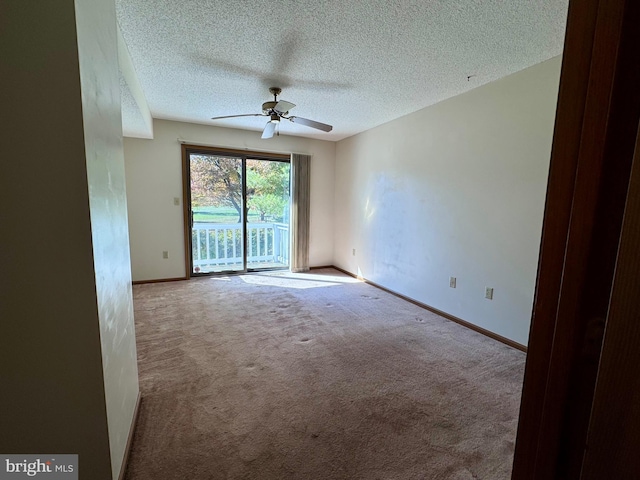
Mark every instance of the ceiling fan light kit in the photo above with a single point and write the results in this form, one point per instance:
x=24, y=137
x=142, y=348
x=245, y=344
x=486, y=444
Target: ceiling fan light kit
x=277, y=110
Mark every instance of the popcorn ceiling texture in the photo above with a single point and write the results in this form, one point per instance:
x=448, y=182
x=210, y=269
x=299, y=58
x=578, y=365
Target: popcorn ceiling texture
x=353, y=64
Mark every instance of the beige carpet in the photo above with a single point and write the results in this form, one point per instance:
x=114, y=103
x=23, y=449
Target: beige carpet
x=315, y=376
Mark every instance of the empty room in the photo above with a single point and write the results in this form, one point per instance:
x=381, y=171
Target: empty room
x=431, y=184
x=320, y=240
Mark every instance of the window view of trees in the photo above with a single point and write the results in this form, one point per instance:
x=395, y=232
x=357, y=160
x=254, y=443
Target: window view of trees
x=215, y=183
x=219, y=240
x=268, y=190
x=216, y=189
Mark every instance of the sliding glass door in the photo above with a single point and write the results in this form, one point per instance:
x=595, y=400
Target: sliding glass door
x=238, y=211
x=267, y=198
x=217, y=214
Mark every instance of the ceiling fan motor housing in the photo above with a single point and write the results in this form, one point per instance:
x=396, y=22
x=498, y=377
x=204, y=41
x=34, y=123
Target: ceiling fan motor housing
x=268, y=106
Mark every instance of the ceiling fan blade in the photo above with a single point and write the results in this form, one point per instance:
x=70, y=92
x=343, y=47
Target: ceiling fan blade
x=269, y=128
x=311, y=123
x=245, y=115
x=283, y=106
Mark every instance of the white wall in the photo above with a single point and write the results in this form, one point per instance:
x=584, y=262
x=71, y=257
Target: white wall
x=67, y=348
x=154, y=179
x=456, y=189
x=98, y=57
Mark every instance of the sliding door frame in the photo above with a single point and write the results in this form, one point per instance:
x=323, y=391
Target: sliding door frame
x=244, y=155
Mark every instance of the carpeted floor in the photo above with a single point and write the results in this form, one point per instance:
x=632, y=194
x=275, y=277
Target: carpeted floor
x=315, y=376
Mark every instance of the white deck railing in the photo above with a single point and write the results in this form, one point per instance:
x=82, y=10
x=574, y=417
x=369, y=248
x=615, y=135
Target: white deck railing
x=218, y=244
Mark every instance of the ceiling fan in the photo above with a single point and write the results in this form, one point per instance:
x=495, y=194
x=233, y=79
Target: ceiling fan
x=277, y=110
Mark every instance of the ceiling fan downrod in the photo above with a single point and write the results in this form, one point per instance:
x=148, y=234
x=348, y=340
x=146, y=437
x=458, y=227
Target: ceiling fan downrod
x=275, y=91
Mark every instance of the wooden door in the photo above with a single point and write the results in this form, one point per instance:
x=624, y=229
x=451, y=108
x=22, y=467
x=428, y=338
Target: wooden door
x=593, y=149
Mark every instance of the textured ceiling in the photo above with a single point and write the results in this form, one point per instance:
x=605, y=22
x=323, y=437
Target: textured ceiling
x=353, y=64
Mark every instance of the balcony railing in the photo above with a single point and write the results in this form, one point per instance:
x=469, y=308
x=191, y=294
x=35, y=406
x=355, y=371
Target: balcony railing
x=218, y=246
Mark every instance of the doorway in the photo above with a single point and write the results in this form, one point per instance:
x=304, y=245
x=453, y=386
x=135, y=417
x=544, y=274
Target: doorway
x=237, y=208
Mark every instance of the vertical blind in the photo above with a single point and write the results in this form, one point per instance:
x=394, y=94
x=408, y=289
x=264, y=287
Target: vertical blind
x=300, y=206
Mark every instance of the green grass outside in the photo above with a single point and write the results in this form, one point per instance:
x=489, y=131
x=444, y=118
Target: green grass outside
x=220, y=215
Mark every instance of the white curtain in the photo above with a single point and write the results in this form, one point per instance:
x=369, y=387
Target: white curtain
x=300, y=185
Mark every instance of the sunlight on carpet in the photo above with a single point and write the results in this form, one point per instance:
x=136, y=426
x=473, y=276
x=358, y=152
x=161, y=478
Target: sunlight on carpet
x=271, y=376
x=297, y=280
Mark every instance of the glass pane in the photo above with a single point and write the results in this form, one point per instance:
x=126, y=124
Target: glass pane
x=267, y=214
x=216, y=205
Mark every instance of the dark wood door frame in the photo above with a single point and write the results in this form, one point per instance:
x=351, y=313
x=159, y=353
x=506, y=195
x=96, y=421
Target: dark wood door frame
x=593, y=148
x=614, y=430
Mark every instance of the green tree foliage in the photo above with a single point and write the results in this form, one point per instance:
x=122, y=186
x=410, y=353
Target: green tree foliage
x=269, y=205
x=268, y=189
x=216, y=181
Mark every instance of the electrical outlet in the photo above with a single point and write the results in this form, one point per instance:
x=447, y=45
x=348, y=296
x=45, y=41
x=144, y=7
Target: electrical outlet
x=165, y=254
x=452, y=282
x=176, y=201
x=488, y=293
x=353, y=252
